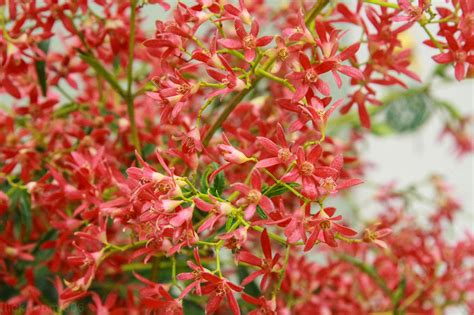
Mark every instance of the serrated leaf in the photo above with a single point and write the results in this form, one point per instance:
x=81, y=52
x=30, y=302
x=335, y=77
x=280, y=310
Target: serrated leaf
x=408, y=112
x=278, y=189
x=40, y=67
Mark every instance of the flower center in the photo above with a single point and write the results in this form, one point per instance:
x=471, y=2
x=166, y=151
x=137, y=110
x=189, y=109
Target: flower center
x=311, y=76
x=144, y=180
x=283, y=53
x=196, y=274
x=254, y=196
x=183, y=88
x=469, y=20
x=284, y=155
x=220, y=290
x=307, y=168
x=189, y=146
x=369, y=236
x=461, y=56
x=250, y=42
x=415, y=12
x=325, y=225
x=164, y=186
x=328, y=183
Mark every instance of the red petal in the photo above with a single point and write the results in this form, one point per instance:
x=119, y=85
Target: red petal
x=266, y=246
x=344, y=230
x=264, y=41
x=250, y=258
x=349, y=183
x=267, y=162
x=364, y=116
x=230, y=43
x=233, y=303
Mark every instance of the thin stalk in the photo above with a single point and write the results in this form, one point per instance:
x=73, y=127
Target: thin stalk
x=383, y=3
x=281, y=276
x=315, y=10
x=130, y=97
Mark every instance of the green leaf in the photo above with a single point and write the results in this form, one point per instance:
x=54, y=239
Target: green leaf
x=251, y=288
x=218, y=185
x=41, y=68
x=278, y=189
x=20, y=205
x=399, y=293
x=450, y=108
x=228, y=224
x=369, y=270
x=381, y=129
x=192, y=307
x=203, y=182
x=65, y=110
x=261, y=214
x=100, y=70
x=408, y=112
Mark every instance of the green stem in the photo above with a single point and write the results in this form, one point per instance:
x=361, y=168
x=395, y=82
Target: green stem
x=130, y=97
x=383, y=3
x=431, y=36
x=173, y=270
x=275, y=78
x=282, y=271
x=232, y=105
x=218, y=258
x=369, y=270
x=296, y=193
x=315, y=10
x=155, y=267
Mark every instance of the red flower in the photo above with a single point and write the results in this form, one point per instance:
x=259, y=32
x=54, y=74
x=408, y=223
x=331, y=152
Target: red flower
x=218, y=288
x=459, y=54
x=253, y=196
x=413, y=13
x=173, y=94
x=360, y=99
x=269, y=265
x=325, y=227
x=195, y=275
x=155, y=297
x=329, y=46
x=281, y=153
x=247, y=41
x=373, y=235
x=217, y=210
x=242, y=13
x=317, y=112
x=307, y=174
x=236, y=239
x=229, y=80
x=264, y=306
x=307, y=79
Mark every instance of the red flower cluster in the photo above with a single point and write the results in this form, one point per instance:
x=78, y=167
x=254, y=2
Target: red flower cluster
x=196, y=169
